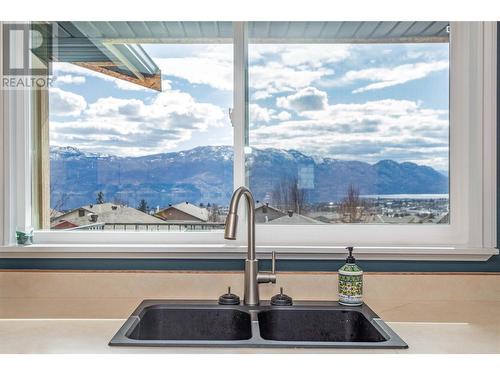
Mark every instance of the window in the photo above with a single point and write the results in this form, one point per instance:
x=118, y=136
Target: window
x=141, y=154
x=341, y=129
x=351, y=133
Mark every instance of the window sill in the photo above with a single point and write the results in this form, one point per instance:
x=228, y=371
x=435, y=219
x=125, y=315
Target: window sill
x=216, y=251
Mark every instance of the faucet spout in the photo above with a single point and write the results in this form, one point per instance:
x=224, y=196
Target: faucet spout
x=252, y=275
x=232, y=219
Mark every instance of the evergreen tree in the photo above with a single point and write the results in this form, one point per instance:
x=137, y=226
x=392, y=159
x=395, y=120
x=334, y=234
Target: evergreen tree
x=143, y=206
x=100, y=198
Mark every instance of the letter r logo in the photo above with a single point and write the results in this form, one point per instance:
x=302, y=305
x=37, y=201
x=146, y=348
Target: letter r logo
x=20, y=41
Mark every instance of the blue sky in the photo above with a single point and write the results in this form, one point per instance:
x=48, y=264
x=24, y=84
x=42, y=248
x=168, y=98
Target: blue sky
x=351, y=102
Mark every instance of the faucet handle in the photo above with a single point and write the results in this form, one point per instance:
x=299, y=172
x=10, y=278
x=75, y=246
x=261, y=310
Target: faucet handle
x=268, y=277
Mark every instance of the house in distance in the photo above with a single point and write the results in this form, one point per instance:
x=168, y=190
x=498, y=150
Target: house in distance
x=184, y=211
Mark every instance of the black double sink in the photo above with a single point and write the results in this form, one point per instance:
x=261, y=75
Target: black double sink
x=305, y=324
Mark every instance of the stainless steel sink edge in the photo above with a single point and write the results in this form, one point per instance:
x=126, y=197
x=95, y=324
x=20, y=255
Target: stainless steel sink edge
x=393, y=341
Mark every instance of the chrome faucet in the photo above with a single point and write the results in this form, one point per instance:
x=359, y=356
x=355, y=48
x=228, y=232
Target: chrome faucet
x=252, y=275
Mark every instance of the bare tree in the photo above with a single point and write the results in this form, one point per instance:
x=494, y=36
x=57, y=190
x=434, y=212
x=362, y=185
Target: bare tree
x=120, y=202
x=288, y=196
x=213, y=213
x=59, y=204
x=351, y=206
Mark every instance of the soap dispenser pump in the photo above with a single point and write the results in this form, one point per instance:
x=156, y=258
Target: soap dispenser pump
x=350, y=282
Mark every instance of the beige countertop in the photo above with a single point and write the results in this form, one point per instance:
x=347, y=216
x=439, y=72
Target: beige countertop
x=42, y=320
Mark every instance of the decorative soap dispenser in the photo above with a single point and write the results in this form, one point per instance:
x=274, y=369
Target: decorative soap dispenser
x=350, y=282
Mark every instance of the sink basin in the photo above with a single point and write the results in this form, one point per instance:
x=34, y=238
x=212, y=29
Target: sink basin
x=305, y=325
x=163, y=323
x=317, y=325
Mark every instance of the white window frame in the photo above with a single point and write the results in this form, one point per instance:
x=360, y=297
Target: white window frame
x=471, y=235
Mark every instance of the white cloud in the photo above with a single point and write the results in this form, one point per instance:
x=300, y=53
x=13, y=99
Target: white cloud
x=274, y=78
x=129, y=86
x=375, y=130
x=387, y=77
x=261, y=94
x=208, y=65
x=65, y=103
x=199, y=70
x=306, y=99
x=260, y=114
x=134, y=127
x=283, y=116
x=301, y=55
x=69, y=79
x=281, y=68
x=315, y=55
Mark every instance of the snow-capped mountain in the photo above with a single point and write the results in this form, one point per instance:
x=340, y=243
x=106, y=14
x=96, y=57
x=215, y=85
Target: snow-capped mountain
x=205, y=175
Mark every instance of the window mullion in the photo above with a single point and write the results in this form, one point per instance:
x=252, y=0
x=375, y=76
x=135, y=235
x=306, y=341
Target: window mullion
x=239, y=115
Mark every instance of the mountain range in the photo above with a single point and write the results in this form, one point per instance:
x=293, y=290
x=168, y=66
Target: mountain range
x=205, y=175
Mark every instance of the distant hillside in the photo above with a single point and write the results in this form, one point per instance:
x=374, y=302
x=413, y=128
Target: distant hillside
x=205, y=174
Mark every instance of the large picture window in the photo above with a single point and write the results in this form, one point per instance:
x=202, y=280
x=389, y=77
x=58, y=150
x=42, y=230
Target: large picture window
x=353, y=132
